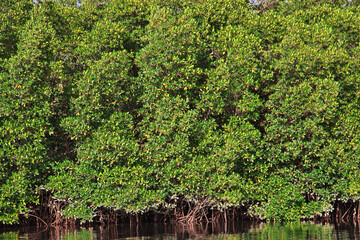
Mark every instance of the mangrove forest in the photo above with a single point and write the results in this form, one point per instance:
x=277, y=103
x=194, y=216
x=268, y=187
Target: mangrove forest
x=179, y=110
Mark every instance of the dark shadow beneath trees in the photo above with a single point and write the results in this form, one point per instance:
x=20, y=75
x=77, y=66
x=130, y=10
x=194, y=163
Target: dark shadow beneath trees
x=48, y=213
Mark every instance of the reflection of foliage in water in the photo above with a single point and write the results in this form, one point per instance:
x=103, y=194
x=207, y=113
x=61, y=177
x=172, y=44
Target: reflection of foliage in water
x=82, y=234
x=294, y=230
x=9, y=235
x=132, y=105
x=268, y=231
x=56, y=233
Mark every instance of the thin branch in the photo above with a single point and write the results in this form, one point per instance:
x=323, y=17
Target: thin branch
x=47, y=226
x=266, y=7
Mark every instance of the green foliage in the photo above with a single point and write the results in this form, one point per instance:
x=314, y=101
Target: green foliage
x=13, y=16
x=124, y=104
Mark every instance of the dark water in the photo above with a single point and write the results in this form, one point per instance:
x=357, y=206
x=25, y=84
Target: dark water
x=239, y=230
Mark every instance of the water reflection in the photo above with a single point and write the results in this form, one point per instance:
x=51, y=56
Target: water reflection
x=236, y=230
x=302, y=231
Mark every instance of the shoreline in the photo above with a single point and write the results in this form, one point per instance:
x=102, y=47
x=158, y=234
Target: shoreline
x=48, y=214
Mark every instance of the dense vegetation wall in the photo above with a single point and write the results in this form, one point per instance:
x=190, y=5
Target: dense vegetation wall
x=127, y=104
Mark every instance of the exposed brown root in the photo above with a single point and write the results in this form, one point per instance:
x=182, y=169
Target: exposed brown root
x=346, y=212
x=47, y=213
x=194, y=212
x=182, y=210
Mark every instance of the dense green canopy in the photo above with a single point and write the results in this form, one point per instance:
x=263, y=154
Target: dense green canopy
x=125, y=103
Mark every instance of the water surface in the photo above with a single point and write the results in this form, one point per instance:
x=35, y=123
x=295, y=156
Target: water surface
x=235, y=230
